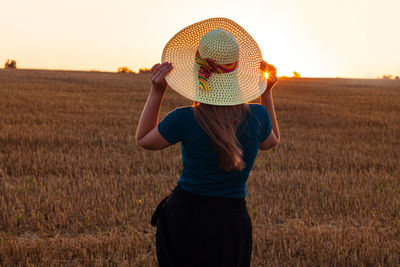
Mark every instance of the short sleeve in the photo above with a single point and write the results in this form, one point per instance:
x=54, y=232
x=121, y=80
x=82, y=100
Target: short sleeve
x=171, y=126
x=265, y=124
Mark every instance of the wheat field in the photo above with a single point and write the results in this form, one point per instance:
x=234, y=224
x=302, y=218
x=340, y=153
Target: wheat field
x=76, y=190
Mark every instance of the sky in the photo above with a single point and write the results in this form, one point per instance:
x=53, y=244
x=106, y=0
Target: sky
x=316, y=38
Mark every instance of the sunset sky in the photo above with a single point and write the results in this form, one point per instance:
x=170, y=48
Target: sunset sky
x=317, y=38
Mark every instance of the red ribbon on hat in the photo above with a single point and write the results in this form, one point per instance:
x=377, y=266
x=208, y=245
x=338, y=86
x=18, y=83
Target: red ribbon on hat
x=208, y=65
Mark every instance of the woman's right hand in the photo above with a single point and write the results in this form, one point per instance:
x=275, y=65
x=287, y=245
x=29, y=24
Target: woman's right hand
x=271, y=70
x=158, y=73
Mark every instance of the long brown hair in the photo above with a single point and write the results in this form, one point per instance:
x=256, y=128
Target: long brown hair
x=220, y=124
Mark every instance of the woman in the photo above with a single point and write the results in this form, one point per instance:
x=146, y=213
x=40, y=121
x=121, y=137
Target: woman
x=204, y=221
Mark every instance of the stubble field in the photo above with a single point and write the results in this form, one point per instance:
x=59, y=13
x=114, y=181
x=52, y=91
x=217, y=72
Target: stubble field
x=76, y=190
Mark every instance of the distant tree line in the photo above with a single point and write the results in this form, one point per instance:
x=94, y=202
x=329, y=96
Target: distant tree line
x=388, y=77
x=10, y=64
x=127, y=70
x=295, y=75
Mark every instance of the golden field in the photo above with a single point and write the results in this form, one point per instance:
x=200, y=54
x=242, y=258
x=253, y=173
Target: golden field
x=76, y=190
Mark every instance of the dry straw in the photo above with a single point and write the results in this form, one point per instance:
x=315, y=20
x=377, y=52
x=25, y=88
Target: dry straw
x=224, y=41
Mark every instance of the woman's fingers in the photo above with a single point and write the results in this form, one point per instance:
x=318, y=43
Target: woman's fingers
x=166, y=68
x=263, y=66
x=154, y=67
x=159, y=73
x=158, y=66
x=272, y=78
x=163, y=70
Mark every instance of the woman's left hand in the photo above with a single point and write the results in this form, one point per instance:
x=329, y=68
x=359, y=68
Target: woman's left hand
x=158, y=73
x=272, y=77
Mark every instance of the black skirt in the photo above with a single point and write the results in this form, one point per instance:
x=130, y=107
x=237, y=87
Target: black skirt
x=196, y=230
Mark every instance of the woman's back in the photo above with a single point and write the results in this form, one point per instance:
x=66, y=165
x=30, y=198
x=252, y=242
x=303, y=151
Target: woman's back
x=201, y=172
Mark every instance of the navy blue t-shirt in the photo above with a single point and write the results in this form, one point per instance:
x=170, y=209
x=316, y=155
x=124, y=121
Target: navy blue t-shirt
x=201, y=173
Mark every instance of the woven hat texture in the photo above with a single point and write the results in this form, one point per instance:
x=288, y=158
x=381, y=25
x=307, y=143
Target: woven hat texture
x=224, y=41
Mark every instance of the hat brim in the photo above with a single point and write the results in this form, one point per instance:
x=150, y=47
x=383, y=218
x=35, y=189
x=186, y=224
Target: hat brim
x=244, y=84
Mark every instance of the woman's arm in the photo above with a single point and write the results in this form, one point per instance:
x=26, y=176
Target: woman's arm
x=267, y=101
x=147, y=135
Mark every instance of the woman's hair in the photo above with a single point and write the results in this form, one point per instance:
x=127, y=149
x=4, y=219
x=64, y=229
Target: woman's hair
x=220, y=124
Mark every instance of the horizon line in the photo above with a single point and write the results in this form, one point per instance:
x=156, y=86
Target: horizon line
x=137, y=72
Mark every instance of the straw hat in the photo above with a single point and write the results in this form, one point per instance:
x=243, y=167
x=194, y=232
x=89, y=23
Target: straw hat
x=225, y=48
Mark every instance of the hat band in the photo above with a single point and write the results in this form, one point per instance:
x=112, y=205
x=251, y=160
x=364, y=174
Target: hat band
x=208, y=65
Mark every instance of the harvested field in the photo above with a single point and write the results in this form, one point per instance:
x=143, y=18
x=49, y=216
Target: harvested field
x=76, y=190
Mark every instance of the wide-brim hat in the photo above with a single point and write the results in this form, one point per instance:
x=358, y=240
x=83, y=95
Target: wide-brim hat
x=245, y=83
